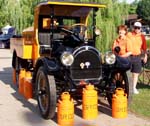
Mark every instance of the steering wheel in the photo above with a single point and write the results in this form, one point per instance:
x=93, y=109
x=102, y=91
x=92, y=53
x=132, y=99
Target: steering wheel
x=79, y=28
x=77, y=31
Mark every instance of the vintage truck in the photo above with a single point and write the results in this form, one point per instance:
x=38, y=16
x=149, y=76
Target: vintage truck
x=59, y=51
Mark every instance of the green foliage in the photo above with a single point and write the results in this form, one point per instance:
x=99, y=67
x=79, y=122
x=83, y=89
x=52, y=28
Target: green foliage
x=107, y=20
x=148, y=43
x=133, y=7
x=18, y=13
x=143, y=10
x=3, y=13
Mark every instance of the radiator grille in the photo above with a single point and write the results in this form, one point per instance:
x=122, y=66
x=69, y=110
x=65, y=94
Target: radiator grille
x=87, y=65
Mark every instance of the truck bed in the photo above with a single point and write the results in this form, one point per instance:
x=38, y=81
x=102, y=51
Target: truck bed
x=23, y=50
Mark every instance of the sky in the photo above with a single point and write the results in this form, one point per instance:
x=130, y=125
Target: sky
x=128, y=1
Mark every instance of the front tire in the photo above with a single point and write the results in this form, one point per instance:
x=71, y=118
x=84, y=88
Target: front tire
x=46, y=93
x=118, y=79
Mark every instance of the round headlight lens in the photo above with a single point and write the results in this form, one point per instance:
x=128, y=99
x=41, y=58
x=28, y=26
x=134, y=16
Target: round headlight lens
x=110, y=58
x=67, y=59
x=97, y=32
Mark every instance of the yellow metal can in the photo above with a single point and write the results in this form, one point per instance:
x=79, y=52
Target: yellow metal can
x=65, y=110
x=119, y=104
x=21, y=81
x=14, y=76
x=28, y=93
x=89, y=102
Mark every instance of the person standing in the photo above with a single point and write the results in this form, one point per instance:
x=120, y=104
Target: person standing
x=122, y=45
x=139, y=47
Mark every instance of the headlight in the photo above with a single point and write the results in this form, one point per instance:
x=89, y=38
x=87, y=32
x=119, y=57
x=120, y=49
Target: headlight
x=110, y=58
x=67, y=59
x=97, y=32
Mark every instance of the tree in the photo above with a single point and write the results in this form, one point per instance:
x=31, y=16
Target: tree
x=18, y=13
x=3, y=13
x=143, y=10
x=107, y=20
x=133, y=7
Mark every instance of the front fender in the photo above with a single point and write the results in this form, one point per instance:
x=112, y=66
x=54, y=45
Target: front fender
x=50, y=66
x=123, y=63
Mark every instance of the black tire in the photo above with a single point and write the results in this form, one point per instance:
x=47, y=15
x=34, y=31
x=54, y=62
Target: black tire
x=119, y=80
x=46, y=93
x=17, y=68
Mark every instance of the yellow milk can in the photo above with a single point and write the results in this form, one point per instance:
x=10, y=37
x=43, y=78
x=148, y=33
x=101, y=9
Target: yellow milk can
x=14, y=76
x=119, y=104
x=65, y=110
x=21, y=81
x=89, y=102
x=28, y=93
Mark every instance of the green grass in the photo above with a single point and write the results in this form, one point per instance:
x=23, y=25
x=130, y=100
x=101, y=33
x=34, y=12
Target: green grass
x=141, y=102
x=148, y=43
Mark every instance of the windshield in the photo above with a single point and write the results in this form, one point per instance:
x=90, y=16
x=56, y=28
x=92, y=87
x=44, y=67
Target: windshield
x=53, y=17
x=46, y=24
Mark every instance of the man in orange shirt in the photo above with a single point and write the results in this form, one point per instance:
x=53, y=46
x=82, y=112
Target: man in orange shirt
x=139, y=47
x=123, y=43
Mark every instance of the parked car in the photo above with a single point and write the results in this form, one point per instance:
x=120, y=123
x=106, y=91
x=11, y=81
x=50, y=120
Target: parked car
x=7, y=33
x=145, y=29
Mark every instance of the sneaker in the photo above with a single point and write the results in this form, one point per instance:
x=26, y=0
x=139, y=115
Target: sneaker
x=135, y=91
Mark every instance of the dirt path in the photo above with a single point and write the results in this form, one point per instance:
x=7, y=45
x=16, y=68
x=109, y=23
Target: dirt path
x=15, y=110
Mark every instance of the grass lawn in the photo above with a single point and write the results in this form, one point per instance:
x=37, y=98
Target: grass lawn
x=141, y=102
x=148, y=43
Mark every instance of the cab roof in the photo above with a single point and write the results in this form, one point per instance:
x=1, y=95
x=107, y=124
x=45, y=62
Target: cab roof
x=71, y=3
x=68, y=9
